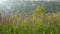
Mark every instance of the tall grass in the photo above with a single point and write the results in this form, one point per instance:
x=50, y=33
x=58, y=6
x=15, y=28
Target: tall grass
x=37, y=23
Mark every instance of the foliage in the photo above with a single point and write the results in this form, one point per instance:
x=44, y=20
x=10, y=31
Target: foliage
x=33, y=24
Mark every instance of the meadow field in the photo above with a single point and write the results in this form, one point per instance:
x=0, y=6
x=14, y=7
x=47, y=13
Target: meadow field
x=37, y=23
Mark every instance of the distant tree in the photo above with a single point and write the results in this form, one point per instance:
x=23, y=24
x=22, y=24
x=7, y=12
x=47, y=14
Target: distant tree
x=38, y=11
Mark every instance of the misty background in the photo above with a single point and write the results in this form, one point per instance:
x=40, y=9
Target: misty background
x=25, y=7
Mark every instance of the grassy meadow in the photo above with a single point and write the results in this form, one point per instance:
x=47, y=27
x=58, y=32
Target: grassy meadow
x=37, y=23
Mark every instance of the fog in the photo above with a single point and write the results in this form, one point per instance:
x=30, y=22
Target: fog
x=11, y=6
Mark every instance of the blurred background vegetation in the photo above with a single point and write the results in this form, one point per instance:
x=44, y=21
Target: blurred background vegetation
x=35, y=18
